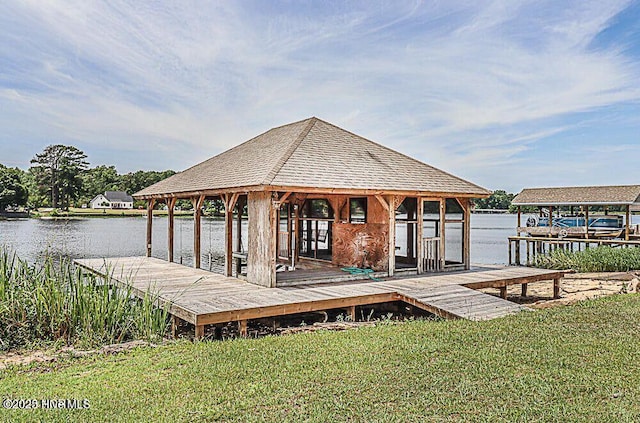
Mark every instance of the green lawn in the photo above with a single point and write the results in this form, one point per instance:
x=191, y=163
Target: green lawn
x=577, y=363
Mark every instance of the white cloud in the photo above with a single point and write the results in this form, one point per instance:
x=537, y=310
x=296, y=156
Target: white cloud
x=470, y=87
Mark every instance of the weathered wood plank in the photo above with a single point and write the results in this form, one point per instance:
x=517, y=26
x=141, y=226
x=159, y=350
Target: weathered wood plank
x=200, y=297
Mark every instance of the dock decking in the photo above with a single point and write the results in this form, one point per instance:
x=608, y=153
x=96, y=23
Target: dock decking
x=203, y=298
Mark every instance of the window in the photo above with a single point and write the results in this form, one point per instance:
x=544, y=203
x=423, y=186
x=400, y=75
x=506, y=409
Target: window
x=358, y=210
x=317, y=209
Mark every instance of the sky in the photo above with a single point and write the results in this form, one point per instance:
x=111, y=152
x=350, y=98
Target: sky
x=507, y=94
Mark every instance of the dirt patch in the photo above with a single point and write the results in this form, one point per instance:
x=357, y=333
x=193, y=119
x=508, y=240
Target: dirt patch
x=20, y=358
x=573, y=288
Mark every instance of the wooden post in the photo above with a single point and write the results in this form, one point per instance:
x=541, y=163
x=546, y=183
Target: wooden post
x=171, y=203
x=197, y=229
x=443, y=255
x=261, y=254
x=240, y=207
x=523, y=288
x=411, y=215
x=420, y=236
x=503, y=292
x=550, y=220
x=297, y=234
x=627, y=221
x=391, y=202
x=466, y=243
x=519, y=221
x=175, y=322
x=556, y=288
x=352, y=313
x=229, y=203
x=199, y=332
x=150, y=205
x=586, y=223
x=242, y=328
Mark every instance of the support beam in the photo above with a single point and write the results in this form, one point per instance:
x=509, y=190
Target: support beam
x=586, y=222
x=230, y=201
x=420, y=235
x=199, y=332
x=503, y=292
x=391, y=207
x=382, y=201
x=443, y=260
x=352, y=313
x=523, y=292
x=197, y=229
x=466, y=244
x=240, y=205
x=242, y=328
x=627, y=221
x=261, y=254
x=519, y=221
x=175, y=323
x=150, y=205
x=171, y=204
x=556, y=288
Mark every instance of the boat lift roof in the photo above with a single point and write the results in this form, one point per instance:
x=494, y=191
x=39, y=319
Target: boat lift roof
x=580, y=196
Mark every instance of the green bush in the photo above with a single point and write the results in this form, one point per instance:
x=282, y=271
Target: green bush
x=57, y=302
x=600, y=259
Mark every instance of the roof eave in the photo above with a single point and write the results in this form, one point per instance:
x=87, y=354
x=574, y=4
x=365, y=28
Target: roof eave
x=307, y=189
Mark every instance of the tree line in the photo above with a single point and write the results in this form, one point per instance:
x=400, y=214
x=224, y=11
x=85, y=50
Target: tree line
x=60, y=177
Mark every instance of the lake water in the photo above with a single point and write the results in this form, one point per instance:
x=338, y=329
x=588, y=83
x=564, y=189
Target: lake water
x=121, y=237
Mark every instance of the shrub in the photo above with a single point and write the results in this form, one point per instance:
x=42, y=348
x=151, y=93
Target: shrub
x=600, y=259
x=58, y=302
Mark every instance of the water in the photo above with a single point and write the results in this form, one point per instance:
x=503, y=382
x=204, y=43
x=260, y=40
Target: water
x=120, y=237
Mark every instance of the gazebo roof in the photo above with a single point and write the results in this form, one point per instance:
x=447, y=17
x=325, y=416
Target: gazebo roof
x=312, y=154
x=579, y=196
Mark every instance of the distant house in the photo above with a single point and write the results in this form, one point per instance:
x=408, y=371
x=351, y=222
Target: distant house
x=112, y=200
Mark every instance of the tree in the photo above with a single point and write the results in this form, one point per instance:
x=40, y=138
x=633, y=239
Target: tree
x=100, y=179
x=57, y=171
x=133, y=182
x=499, y=199
x=12, y=190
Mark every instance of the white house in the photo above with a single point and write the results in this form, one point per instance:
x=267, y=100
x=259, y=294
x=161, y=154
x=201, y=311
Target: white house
x=112, y=200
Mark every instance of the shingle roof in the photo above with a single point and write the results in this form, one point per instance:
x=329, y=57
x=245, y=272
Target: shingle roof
x=313, y=154
x=118, y=196
x=604, y=195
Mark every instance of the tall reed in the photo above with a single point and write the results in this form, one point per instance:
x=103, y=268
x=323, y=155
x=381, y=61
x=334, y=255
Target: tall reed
x=600, y=259
x=55, y=301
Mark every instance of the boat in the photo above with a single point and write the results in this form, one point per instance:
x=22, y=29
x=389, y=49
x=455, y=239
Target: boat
x=573, y=226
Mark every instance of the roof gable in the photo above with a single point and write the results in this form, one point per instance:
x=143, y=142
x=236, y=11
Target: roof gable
x=315, y=154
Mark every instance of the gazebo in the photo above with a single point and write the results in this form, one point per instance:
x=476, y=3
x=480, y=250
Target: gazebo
x=317, y=197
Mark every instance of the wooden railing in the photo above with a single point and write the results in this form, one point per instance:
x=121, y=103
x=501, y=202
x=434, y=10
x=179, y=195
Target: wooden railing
x=431, y=254
x=283, y=244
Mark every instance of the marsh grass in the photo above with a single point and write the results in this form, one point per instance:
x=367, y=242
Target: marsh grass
x=57, y=302
x=600, y=259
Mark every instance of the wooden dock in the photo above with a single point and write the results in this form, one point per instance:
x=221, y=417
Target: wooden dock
x=204, y=298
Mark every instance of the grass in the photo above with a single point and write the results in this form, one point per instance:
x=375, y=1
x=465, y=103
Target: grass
x=600, y=259
x=56, y=302
x=578, y=363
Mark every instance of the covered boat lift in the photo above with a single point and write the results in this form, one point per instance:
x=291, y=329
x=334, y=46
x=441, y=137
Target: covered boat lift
x=576, y=230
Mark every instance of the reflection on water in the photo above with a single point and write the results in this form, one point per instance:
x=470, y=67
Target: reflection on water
x=120, y=237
